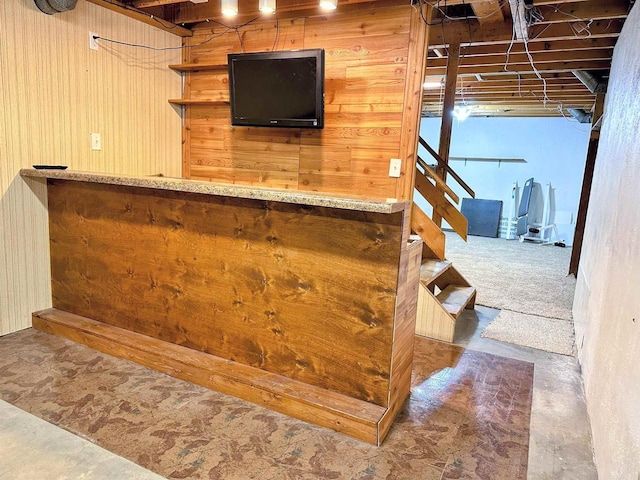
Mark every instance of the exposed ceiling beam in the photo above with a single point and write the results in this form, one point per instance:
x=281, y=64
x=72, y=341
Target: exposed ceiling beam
x=538, y=47
x=501, y=33
x=522, y=58
x=513, y=88
x=523, y=95
x=585, y=11
x=526, y=68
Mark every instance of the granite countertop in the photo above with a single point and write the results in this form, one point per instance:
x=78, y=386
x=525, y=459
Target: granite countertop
x=365, y=204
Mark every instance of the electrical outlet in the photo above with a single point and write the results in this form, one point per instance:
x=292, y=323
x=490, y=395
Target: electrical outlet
x=395, y=167
x=96, y=142
x=93, y=42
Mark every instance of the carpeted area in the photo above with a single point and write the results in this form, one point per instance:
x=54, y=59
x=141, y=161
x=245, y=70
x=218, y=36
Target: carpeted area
x=550, y=334
x=468, y=417
x=527, y=281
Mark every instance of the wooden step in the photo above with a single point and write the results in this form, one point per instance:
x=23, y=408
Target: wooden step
x=431, y=269
x=309, y=403
x=455, y=298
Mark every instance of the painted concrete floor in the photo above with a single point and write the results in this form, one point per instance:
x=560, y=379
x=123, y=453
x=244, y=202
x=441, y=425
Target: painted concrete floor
x=559, y=442
x=560, y=433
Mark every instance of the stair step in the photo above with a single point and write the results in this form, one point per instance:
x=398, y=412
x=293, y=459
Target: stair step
x=431, y=269
x=455, y=298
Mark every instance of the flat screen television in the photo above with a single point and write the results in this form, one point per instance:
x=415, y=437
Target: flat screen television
x=277, y=89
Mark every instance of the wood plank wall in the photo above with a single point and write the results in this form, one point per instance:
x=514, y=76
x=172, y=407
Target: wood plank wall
x=367, y=50
x=54, y=92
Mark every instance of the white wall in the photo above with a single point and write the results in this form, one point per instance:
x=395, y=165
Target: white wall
x=555, y=150
x=54, y=92
x=607, y=304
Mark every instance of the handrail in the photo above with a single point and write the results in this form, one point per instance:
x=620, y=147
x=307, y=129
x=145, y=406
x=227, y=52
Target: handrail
x=428, y=171
x=446, y=167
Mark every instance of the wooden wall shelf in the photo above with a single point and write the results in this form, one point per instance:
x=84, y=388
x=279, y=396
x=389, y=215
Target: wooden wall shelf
x=195, y=67
x=197, y=101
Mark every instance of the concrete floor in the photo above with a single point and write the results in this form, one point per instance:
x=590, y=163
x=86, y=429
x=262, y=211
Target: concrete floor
x=31, y=448
x=560, y=433
x=560, y=441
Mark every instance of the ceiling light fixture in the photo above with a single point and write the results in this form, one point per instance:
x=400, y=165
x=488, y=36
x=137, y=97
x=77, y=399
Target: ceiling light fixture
x=328, y=4
x=267, y=6
x=461, y=112
x=431, y=85
x=229, y=8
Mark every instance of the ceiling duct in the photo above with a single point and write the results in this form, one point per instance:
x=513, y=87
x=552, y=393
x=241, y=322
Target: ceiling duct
x=51, y=7
x=594, y=82
x=580, y=115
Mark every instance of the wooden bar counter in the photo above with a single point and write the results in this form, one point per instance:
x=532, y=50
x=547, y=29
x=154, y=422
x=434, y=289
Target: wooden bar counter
x=299, y=301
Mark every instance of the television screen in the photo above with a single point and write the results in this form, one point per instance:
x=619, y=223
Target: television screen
x=277, y=89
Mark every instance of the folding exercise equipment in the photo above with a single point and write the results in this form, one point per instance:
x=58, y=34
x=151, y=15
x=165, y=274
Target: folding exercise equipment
x=535, y=232
x=522, y=222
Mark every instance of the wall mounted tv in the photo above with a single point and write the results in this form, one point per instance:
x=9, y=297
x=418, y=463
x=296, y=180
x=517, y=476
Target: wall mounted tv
x=277, y=89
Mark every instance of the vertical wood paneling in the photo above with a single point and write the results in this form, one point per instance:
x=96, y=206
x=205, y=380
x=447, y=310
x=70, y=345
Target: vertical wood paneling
x=366, y=64
x=54, y=93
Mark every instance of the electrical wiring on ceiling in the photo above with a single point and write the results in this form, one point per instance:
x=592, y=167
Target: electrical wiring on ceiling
x=533, y=16
x=163, y=23
x=227, y=29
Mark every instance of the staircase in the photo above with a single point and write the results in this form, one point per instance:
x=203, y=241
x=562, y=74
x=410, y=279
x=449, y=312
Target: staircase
x=443, y=293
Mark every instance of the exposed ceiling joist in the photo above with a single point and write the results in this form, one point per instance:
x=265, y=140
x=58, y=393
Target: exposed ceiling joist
x=502, y=33
x=502, y=76
x=585, y=11
x=538, y=47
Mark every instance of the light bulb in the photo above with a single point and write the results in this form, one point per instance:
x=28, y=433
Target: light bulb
x=229, y=8
x=461, y=113
x=267, y=6
x=328, y=4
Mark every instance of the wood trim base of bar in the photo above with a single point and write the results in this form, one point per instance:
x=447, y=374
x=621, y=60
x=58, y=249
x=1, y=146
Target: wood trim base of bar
x=353, y=417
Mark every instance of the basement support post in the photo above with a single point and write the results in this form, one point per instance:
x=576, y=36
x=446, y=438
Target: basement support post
x=453, y=61
x=587, y=180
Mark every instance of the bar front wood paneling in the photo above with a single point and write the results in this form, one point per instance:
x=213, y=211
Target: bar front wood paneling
x=317, y=295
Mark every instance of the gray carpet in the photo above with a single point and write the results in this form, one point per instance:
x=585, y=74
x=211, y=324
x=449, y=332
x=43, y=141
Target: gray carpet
x=528, y=282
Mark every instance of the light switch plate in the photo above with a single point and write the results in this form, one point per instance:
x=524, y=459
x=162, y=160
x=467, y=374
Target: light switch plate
x=96, y=141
